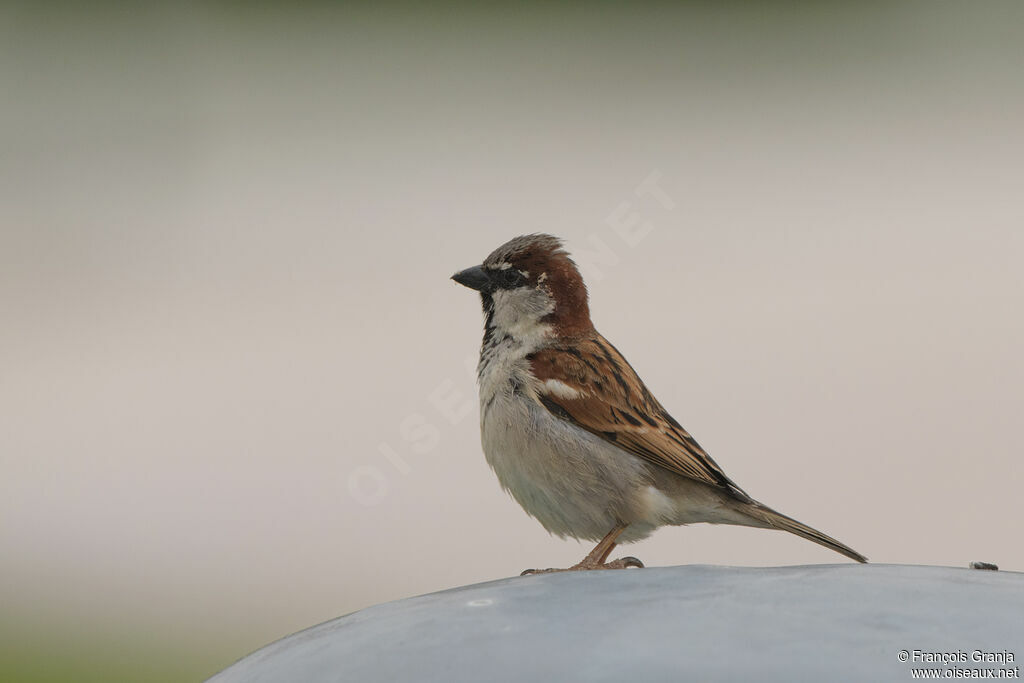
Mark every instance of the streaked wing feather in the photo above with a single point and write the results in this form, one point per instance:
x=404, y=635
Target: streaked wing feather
x=591, y=385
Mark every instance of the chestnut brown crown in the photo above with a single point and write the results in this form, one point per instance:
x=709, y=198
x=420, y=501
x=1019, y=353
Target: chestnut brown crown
x=538, y=262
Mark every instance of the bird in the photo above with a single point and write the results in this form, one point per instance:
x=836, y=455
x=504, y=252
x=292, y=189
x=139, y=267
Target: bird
x=570, y=429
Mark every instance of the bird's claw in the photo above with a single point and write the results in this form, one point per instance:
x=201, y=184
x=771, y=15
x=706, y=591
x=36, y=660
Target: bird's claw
x=621, y=563
x=625, y=563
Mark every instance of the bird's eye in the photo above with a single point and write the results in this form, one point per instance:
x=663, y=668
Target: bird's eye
x=511, y=278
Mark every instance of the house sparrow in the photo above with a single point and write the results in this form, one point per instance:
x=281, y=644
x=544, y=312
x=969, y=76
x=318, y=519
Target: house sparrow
x=570, y=429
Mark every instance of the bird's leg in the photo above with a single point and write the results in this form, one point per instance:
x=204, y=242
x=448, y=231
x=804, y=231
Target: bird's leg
x=595, y=559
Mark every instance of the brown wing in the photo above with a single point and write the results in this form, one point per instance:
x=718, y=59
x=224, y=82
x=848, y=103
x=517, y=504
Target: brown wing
x=591, y=385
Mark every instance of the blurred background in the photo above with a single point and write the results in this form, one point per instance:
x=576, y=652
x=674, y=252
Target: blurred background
x=236, y=389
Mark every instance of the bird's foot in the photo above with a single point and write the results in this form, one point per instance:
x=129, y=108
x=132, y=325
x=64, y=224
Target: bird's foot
x=621, y=563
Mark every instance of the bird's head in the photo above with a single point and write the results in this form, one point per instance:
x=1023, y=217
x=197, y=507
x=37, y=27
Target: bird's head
x=530, y=286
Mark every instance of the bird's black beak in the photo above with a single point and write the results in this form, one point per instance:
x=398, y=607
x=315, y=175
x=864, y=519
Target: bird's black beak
x=474, y=278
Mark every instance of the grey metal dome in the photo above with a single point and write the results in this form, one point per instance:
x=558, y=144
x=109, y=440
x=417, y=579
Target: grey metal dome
x=697, y=623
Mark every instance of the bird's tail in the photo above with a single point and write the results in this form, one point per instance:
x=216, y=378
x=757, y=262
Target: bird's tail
x=777, y=520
